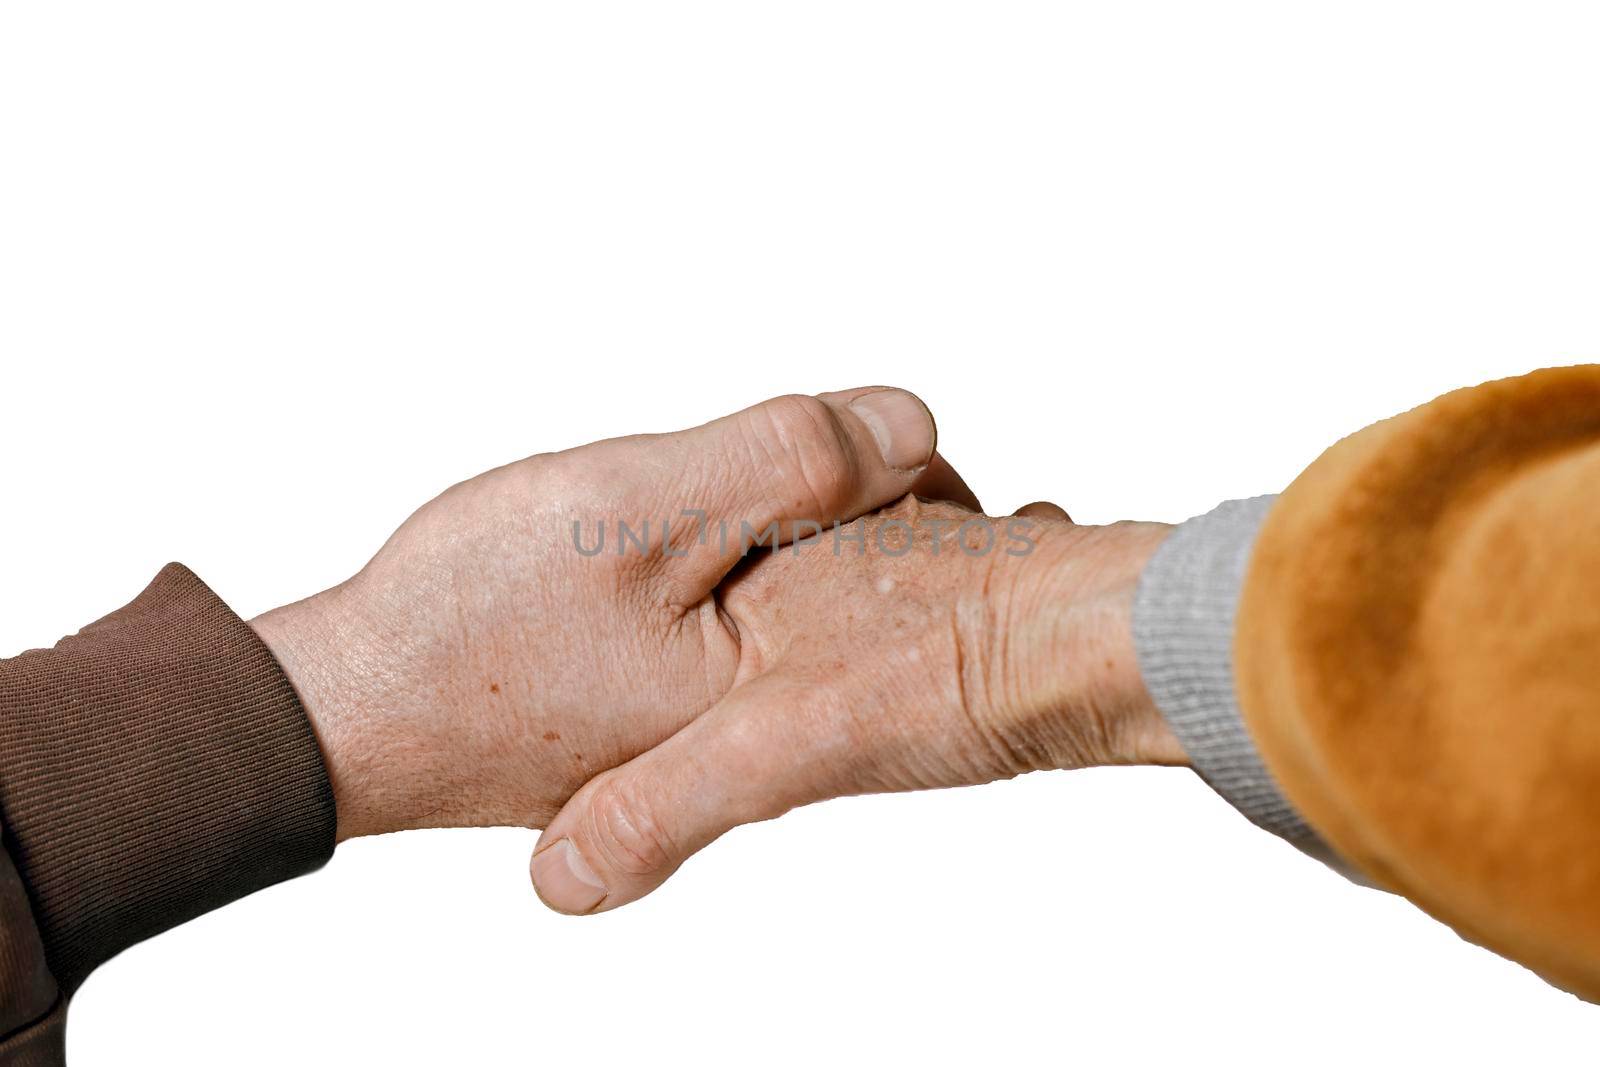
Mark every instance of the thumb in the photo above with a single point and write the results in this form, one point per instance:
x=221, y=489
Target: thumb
x=785, y=469
x=627, y=830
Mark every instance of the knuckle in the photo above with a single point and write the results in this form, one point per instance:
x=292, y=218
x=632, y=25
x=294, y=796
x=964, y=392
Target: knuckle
x=803, y=439
x=627, y=832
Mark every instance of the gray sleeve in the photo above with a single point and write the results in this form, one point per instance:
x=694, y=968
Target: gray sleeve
x=1183, y=619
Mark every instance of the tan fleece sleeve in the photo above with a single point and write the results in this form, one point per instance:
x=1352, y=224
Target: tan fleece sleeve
x=1417, y=658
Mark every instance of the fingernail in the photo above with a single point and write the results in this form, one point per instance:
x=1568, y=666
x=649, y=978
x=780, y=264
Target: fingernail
x=901, y=425
x=565, y=880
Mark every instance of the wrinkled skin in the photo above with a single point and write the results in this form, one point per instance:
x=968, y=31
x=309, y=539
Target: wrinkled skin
x=479, y=669
x=947, y=665
x=881, y=670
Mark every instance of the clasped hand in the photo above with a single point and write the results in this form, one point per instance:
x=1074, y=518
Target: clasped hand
x=643, y=642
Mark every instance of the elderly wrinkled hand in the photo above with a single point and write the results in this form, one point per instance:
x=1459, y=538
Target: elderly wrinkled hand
x=924, y=646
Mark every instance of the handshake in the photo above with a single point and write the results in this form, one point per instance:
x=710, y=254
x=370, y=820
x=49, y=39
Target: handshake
x=642, y=643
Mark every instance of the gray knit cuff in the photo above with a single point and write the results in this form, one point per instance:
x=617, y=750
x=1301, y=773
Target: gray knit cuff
x=1183, y=620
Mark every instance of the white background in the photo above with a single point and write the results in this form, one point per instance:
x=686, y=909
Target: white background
x=271, y=275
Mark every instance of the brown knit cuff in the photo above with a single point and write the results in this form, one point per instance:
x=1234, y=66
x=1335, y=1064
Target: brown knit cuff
x=27, y=989
x=154, y=767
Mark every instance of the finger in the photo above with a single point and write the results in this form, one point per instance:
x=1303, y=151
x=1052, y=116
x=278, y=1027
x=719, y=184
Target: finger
x=789, y=468
x=942, y=482
x=1043, y=509
x=626, y=831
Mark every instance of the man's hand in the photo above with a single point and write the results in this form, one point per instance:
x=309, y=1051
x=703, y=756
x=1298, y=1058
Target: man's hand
x=484, y=665
x=975, y=649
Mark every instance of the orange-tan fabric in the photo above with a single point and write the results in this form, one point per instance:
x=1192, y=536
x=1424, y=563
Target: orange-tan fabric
x=1417, y=657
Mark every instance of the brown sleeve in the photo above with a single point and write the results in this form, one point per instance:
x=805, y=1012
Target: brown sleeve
x=1418, y=659
x=32, y=1010
x=153, y=767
